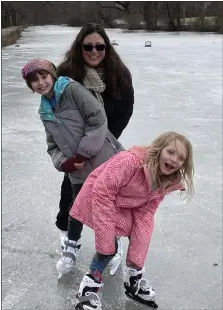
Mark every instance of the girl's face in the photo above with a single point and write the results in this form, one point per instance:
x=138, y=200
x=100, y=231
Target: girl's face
x=172, y=157
x=93, y=49
x=43, y=84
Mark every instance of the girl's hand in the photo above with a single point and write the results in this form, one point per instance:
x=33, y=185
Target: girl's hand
x=70, y=165
x=79, y=166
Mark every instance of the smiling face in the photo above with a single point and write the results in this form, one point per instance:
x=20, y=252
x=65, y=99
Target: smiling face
x=42, y=83
x=94, y=57
x=172, y=157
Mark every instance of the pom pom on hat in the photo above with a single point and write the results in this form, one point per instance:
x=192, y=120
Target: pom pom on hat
x=38, y=64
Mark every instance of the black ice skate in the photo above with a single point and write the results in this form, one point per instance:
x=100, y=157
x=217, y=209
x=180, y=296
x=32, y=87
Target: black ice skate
x=138, y=288
x=87, y=298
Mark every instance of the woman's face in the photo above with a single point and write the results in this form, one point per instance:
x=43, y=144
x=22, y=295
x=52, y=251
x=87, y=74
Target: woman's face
x=93, y=49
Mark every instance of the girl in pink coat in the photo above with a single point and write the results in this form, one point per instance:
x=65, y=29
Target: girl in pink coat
x=120, y=198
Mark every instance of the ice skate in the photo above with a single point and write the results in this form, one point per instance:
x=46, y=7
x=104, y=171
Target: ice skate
x=117, y=259
x=63, y=236
x=87, y=298
x=69, y=256
x=139, y=288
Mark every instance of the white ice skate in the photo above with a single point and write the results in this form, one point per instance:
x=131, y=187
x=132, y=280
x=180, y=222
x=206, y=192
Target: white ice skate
x=69, y=256
x=139, y=288
x=63, y=236
x=117, y=259
x=87, y=297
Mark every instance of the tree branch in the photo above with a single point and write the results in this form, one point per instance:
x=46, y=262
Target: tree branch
x=124, y=4
x=116, y=6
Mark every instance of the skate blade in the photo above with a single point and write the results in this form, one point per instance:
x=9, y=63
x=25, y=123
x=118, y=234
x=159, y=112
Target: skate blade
x=151, y=303
x=66, y=273
x=60, y=275
x=78, y=306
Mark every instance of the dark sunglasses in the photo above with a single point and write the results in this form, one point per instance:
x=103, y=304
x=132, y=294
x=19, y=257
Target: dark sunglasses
x=99, y=47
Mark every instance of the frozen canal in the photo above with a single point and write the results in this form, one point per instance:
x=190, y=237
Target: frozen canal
x=178, y=86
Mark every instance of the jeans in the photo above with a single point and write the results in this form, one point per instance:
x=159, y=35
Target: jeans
x=100, y=261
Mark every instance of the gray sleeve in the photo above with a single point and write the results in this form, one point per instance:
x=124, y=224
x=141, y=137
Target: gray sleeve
x=58, y=158
x=95, y=120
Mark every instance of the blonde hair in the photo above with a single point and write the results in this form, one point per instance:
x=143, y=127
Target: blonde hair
x=185, y=174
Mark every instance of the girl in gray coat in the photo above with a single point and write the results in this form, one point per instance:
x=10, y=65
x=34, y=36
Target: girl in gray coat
x=76, y=126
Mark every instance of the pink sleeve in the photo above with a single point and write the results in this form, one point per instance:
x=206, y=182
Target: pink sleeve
x=141, y=234
x=118, y=172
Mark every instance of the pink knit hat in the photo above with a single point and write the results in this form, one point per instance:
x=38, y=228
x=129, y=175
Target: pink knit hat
x=38, y=64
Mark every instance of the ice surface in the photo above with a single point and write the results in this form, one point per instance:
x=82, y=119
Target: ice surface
x=178, y=86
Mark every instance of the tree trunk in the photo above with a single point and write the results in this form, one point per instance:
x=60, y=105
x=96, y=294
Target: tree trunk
x=202, y=15
x=150, y=14
x=173, y=11
x=178, y=16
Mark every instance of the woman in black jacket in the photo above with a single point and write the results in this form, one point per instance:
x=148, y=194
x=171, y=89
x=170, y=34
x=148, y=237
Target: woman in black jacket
x=93, y=62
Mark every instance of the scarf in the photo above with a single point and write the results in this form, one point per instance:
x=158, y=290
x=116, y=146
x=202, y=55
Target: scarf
x=93, y=81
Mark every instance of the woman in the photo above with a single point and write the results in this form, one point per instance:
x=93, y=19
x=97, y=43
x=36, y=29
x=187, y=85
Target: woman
x=93, y=62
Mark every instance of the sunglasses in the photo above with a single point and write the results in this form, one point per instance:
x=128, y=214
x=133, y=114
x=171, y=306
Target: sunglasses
x=99, y=47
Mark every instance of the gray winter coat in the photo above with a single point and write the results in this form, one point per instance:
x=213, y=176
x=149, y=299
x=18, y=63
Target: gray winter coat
x=77, y=125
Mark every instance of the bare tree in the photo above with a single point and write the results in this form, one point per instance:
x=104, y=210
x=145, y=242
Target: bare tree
x=173, y=11
x=129, y=14
x=150, y=13
x=122, y=6
x=104, y=14
x=10, y=14
x=156, y=14
x=202, y=14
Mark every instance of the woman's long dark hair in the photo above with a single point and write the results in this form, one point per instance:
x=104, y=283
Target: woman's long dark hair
x=117, y=75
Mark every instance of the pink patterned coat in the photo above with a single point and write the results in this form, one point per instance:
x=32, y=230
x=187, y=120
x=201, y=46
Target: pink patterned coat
x=117, y=200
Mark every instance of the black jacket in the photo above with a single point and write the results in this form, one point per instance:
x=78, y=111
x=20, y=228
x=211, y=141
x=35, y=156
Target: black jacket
x=119, y=111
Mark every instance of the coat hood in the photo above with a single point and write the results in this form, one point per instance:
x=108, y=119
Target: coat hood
x=46, y=110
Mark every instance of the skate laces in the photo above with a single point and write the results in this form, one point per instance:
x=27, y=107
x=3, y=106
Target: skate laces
x=145, y=286
x=70, y=251
x=69, y=256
